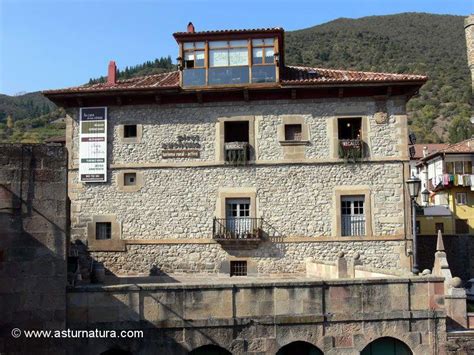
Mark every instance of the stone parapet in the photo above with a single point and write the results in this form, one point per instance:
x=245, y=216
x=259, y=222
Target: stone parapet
x=277, y=312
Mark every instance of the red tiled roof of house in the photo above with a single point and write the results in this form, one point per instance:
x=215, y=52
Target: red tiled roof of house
x=233, y=31
x=308, y=75
x=466, y=146
x=432, y=148
x=291, y=76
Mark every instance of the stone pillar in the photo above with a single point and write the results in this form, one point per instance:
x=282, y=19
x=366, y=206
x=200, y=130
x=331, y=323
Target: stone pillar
x=455, y=303
x=469, y=28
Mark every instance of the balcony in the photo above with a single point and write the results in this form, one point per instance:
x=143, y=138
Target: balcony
x=236, y=153
x=241, y=232
x=351, y=149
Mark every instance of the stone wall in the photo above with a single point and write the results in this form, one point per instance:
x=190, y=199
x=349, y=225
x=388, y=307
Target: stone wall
x=338, y=317
x=296, y=199
x=33, y=230
x=269, y=258
x=164, y=123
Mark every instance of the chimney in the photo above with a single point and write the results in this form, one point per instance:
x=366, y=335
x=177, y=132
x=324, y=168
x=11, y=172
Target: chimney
x=112, y=74
x=425, y=151
x=191, y=28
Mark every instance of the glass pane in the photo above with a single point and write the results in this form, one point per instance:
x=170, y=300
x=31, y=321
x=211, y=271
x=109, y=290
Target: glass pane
x=228, y=75
x=257, y=56
x=269, y=59
x=458, y=167
x=264, y=74
x=199, y=45
x=199, y=59
x=188, y=45
x=217, y=44
x=219, y=58
x=468, y=167
x=238, y=56
x=194, y=77
x=238, y=43
x=449, y=168
x=268, y=41
x=257, y=42
x=189, y=56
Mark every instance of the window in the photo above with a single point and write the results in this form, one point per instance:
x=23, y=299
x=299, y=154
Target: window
x=228, y=62
x=236, y=141
x=129, y=179
x=238, y=221
x=238, y=268
x=439, y=227
x=130, y=131
x=263, y=51
x=459, y=167
x=349, y=128
x=103, y=230
x=461, y=198
x=293, y=132
x=352, y=215
x=461, y=226
x=418, y=227
x=194, y=55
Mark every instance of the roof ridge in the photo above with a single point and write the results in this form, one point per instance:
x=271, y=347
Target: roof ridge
x=353, y=71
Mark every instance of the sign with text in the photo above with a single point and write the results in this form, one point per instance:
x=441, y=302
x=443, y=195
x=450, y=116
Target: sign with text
x=93, y=144
x=186, y=146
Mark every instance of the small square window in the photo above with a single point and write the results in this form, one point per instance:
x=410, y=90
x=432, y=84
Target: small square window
x=103, y=230
x=130, y=179
x=461, y=198
x=293, y=132
x=130, y=131
x=238, y=268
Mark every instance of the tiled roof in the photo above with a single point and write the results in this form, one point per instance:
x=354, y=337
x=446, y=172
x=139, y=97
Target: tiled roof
x=307, y=75
x=466, y=146
x=432, y=148
x=155, y=81
x=292, y=76
x=234, y=31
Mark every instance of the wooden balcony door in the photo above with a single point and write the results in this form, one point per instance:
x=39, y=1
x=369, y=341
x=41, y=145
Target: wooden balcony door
x=238, y=220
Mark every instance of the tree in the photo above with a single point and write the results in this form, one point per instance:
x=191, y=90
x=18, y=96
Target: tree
x=460, y=129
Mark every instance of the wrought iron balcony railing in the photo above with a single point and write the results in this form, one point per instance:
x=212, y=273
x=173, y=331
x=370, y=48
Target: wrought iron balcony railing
x=239, y=228
x=236, y=153
x=351, y=149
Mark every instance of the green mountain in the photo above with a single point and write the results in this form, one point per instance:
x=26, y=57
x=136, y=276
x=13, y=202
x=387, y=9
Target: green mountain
x=405, y=43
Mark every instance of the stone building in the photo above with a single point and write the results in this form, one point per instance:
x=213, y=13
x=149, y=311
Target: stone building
x=239, y=163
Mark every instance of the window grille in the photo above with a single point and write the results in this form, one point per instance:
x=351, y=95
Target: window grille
x=238, y=268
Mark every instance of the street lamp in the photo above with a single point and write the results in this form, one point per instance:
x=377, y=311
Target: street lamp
x=414, y=186
x=425, y=197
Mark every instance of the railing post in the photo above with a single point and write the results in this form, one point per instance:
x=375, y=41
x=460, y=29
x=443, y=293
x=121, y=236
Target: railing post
x=214, y=228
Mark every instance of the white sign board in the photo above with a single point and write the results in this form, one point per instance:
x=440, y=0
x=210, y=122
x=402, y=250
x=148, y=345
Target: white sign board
x=93, y=144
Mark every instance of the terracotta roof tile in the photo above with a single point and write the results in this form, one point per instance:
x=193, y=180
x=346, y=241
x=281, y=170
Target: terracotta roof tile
x=308, y=75
x=233, y=31
x=466, y=146
x=292, y=76
x=432, y=148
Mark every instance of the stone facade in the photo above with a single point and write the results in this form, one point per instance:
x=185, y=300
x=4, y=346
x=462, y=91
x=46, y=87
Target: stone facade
x=33, y=235
x=171, y=215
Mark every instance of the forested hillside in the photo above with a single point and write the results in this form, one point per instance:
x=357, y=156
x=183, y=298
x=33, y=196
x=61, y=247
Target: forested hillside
x=406, y=43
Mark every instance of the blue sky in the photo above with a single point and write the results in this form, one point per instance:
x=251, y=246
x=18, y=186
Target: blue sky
x=47, y=44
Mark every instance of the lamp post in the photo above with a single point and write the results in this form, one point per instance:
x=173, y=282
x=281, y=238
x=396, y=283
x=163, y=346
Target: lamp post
x=414, y=186
x=425, y=197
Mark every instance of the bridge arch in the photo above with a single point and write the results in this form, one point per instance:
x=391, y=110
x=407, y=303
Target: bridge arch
x=210, y=349
x=299, y=347
x=386, y=346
